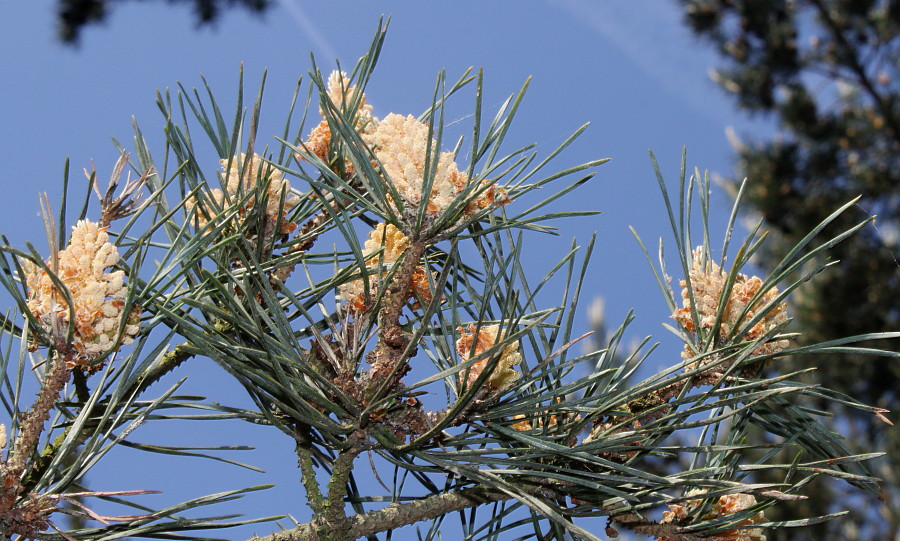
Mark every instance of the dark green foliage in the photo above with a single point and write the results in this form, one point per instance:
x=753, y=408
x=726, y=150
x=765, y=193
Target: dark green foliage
x=828, y=72
x=74, y=15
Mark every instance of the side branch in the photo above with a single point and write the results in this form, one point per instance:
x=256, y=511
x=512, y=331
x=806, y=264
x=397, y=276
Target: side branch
x=308, y=478
x=389, y=358
x=168, y=362
x=314, y=223
x=334, y=518
x=33, y=423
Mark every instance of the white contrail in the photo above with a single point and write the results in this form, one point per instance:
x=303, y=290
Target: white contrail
x=658, y=43
x=321, y=44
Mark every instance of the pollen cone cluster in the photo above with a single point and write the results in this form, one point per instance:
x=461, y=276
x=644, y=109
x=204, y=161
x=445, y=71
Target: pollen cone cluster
x=241, y=176
x=391, y=243
x=707, y=283
x=725, y=505
x=319, y=140
x=406, y=154
x=474, y=342
x=98, y=296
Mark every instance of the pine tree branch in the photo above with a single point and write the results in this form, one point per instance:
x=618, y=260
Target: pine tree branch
x=392, y=351
x=33, y=424
x=169, y=361
x=334, y=518
x=664, y=532
x=314, y=496
x=397, y=515
x=12, y=518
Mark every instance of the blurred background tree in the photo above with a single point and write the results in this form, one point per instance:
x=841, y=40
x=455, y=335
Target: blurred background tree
x=73, y=15
x=826, y=70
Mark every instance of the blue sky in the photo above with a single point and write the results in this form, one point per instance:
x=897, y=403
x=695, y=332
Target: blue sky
x=629, y=68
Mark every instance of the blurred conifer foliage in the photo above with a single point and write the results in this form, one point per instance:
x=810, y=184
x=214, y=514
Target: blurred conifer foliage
x=827, y=71
x=74, y=15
